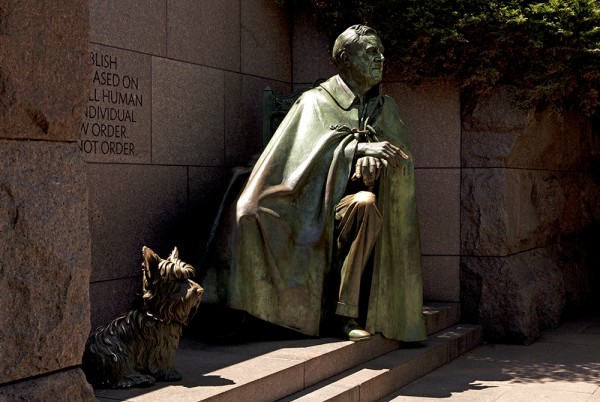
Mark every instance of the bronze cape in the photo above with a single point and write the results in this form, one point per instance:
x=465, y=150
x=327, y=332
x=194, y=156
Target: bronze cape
x=284, y=233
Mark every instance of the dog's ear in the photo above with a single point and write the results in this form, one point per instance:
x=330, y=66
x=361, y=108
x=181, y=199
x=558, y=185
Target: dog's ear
x=174, y=254
x=174, y=269
x=151, y=260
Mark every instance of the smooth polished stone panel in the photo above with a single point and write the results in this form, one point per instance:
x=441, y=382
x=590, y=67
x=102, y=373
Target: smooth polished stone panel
x=206, y=190
x=441, y=278
x=438, y=202
x=111, y=299
x=133, y=206
x=311, y=53
x=138, y=25
x=205, y=32
x=431, y=113
x=266, y=46
x=187, y=114
x=117, y=120
x=244, y=116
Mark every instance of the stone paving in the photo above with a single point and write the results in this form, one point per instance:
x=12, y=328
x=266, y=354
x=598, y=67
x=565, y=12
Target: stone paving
x=564, y=365
x=320, y=368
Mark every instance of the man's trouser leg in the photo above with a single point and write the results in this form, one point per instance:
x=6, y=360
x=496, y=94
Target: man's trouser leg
x=359, y=224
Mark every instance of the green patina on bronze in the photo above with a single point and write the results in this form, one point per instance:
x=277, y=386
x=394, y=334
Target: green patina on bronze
x=283, y=243
x=286, y=227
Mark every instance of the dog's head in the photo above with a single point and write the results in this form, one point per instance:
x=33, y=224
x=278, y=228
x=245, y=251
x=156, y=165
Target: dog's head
x=169, y=292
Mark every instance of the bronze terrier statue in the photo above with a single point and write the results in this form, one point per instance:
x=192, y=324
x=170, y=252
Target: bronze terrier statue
x=138, y=348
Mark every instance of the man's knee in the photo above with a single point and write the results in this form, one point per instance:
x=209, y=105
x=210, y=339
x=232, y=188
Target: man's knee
x=365, y=199
x=361, y=204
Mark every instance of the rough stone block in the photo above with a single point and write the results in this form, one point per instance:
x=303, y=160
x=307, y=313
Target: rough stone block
x=265, y=36
x=551, y=141
x=438, y=201
x=45, y=65
x=488, y=148
x=505, y=211
x=45, y=265
x=494, y=113
x=431, y=113
x=138, y=25
x=187, y=114
x=513, y=297
x=589, y=197
x=116, y=125
x=205, y=32
x=68, y=385
x=542, y=140
x=132, y=206
x=579, y=261
x=573, y=215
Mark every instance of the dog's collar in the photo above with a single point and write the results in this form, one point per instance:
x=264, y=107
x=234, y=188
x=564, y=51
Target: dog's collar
x=149, y=314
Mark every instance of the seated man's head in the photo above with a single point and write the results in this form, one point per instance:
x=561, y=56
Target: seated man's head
x=358, y=55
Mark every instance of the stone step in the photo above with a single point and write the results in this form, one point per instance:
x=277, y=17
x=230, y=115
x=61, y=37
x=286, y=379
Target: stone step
x=268, y=371
x=440, y=315
x=383, y=375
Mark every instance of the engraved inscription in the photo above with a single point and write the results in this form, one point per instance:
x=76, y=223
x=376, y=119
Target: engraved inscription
x=115, y=104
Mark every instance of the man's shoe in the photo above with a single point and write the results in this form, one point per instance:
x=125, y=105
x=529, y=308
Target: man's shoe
x=354, y=332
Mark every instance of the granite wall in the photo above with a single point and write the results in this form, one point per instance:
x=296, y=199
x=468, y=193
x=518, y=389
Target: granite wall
x=528, y=199
x=175, y=101
x=161, y=98
x=44, y=232
x=507, y=200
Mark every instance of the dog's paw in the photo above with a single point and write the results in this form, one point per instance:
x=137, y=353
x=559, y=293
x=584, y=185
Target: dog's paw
x=135, y=380
x=170, y=374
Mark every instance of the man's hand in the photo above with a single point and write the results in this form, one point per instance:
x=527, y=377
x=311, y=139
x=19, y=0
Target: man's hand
x=383, y=150
x=369, y=168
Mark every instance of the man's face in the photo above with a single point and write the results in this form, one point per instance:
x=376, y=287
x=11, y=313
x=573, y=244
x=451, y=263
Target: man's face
x=366, y=61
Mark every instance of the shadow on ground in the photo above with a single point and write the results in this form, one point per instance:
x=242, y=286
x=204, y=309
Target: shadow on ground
x=566, y=359
x=218, y=339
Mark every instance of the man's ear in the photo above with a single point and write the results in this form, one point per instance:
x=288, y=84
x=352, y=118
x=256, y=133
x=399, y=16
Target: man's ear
x=345, y=57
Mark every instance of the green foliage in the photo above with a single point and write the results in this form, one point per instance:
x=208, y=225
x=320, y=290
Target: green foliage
x=548, y=52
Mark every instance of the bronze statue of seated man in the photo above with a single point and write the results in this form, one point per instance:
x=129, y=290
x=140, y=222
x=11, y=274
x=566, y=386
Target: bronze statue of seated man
x=331, y=195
